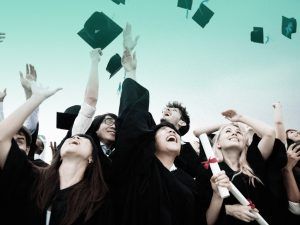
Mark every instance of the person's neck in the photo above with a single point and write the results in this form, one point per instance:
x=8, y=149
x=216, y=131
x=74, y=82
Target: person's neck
x=231, y=157
x=71, y=172
x=108, y=144
x=166, y=160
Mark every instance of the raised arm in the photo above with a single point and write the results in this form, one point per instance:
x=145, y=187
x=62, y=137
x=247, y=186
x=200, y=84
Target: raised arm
x=32, y=121
x=2, y=97
x=288, y=176
x=208, y=129
x=278, y=121
x=267, y=132
x=129, y=60
x=88, y=108
x=10, y=125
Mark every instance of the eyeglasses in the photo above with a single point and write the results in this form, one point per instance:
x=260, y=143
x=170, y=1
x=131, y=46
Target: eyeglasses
x=109, y=121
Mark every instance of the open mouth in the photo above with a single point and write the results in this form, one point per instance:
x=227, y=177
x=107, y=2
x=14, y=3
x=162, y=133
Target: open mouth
x=172, y=138
x=234, y=139
x=167, y=114
x=74, y=142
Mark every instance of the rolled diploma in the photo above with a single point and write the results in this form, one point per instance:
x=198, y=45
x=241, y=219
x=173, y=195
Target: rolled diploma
x=224, y=193
x=240, y=197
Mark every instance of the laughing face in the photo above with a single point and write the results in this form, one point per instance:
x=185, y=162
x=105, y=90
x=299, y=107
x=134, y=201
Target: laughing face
x=172, y=115
x=167, y=141
x=107, y=130
x=80, y=147
x=231, y=137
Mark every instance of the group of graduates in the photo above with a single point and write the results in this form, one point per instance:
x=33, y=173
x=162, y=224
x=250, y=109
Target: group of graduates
x=126, y=169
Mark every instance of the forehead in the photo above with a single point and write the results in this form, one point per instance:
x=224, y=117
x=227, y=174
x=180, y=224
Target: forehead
x=231, y=127
x=20, y=134
x=166, y=129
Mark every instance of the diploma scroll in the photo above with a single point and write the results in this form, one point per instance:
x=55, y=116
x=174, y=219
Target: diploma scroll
x=224, y=193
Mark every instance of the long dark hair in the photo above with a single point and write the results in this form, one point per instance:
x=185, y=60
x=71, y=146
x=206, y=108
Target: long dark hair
x=86, y=196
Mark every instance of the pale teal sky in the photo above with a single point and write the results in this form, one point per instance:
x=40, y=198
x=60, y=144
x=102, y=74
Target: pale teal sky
x=209, y=70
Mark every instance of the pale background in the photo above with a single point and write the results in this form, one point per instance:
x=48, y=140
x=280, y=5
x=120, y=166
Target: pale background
x=209, y=70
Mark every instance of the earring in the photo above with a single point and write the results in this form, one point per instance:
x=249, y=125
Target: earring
x=90, y=160
x=218, y=146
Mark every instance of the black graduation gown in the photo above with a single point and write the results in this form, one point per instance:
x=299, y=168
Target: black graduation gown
x=18, y=179
x=258, y=194
x=144, y=191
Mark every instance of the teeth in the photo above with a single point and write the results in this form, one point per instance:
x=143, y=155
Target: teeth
x=234, y=139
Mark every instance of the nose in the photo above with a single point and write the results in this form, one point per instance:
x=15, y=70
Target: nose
x=172, y=131
x=166, y=109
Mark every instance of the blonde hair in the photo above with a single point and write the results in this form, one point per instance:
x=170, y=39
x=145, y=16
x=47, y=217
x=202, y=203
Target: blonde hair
x=243, y=164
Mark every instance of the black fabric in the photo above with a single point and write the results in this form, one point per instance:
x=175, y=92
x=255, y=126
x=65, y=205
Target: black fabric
x=18, y=179
x=189, y=160
x=145, y=192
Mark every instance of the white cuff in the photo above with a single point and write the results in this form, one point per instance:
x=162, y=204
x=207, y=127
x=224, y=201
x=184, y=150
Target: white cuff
x=294, y=207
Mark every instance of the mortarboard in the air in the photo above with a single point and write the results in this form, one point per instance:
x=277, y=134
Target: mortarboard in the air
x=257, y=35
x=288, y=27
x=119, y=1
x=66, y=119
x=186, y=4
x=203, y=15
x=99, y=30
x=114, y=65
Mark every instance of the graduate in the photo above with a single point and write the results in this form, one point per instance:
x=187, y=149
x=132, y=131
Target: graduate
x=246, y=167
x=70, y=191
x=147, y=188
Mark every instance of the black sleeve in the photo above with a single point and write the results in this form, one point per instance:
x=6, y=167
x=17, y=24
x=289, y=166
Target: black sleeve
x=18, y=173
x=133, y=128
x=255, y=158
x=189, y=161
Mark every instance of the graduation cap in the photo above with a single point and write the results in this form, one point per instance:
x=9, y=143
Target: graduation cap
x=186, y=4
x=2, y=36
x=119, y=1
x=66, y=119
x=288, y=27
x=99, y=30
x=257, y=35
x=203, y=15
x=114, y=65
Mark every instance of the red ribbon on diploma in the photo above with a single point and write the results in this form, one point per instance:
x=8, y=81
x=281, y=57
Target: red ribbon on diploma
x=210, y=160
x=251, y=204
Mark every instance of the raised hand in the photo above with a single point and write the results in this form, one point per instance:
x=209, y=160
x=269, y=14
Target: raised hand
x=2, y=95
x=2, y=36
x=29, y=77
x=95, y=55
x=232, y=115
x=53, y=147
x=277, y=105
x=293, y=154
x=128, y=61
x=241, y=212
x=128, y=42
x=42, y=92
